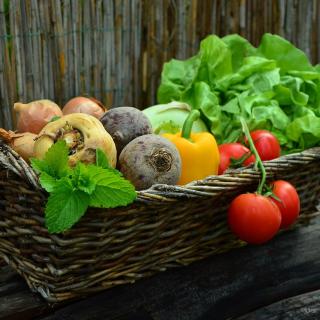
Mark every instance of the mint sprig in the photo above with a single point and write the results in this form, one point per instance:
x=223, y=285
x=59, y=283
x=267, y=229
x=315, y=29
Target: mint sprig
x=73, y=190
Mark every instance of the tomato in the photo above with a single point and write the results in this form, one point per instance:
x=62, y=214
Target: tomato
x=234, y=151
x=266, y=143
x=254, y=218
x=290, y=202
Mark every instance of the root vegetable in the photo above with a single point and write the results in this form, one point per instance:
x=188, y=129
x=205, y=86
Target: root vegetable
x=125, y=124
x=84, y=105
x=22, y=143
x=83, y=134
x=33, y=116
x=150, y=159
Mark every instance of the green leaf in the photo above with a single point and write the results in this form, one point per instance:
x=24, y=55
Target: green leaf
x=203, y=98
x=289, y=92
x=251, y=66
x=286, y=55
x=65, y=207
x=82, y=179
x=177, y=77
x=216, y=59
x=40, y=165
x=111, y=190
x=101, y=159
x=55, y=162
x=48, y=182
x=57, y=159
x=240, y=48
x=305, y=130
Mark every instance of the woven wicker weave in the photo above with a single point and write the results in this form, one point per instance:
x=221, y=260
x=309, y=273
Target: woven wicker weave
x=166, y=226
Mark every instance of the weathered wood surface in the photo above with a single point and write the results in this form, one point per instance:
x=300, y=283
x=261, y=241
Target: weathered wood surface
x=279, y=280
x=305, y=307
x=115, y=49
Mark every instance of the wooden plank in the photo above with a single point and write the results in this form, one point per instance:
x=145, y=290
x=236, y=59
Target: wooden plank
x=36, y=47
x=17, y=302
x=110, y=54
x=16, y=31
x=6, y=77
x=305, y=306
x=22, y=305
x=59, y=54
x=87, y=46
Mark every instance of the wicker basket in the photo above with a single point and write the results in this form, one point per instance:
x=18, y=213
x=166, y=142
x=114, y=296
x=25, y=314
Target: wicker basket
x=167, y=226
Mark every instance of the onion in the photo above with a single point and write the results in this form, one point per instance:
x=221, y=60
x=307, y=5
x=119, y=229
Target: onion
x=89, y=106
x=33, y=116
x=22, y=143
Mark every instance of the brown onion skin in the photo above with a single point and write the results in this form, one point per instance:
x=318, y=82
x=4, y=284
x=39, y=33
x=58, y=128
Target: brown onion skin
x=85, y=105
x=33, y=116
x=22, y=143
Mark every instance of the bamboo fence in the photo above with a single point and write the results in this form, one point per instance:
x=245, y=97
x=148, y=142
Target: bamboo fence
x=114, y=50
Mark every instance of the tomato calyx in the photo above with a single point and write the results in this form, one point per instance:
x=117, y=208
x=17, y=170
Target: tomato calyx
x=267, y=192
x=238, y=162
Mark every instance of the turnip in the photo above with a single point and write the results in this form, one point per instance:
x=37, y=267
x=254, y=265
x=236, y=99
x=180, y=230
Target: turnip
x=150, y=159
x=125, y=124
x=83, y=134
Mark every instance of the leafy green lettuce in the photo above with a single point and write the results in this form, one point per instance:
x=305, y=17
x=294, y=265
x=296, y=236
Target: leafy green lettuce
x=273, y=86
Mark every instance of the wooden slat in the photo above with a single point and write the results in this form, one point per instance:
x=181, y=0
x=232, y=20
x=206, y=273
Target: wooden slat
x=305, y=306
x=6, y=76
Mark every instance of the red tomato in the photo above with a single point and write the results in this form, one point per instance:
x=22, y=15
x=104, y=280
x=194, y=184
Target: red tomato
x=234, y=151
x=254, y=218
x=266, y=143
x=290, y=202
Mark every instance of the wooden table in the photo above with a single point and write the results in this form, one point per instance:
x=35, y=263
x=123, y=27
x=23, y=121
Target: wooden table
x=279, y=280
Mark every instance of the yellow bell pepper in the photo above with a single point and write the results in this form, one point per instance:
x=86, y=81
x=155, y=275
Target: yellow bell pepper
x=198, y=151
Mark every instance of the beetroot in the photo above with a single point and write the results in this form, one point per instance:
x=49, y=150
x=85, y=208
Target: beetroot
x=125, y=124
x=150, y=159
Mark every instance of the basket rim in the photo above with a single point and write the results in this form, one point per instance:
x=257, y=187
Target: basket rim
x=213, y=184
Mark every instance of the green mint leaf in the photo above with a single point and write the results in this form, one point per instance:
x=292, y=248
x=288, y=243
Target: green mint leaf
x=39, y=165
x=65, y=207
x=82, y=178
x=112, y=190
x=57, y=159
x=48, y=182
x=55, y=162
x=102, y=159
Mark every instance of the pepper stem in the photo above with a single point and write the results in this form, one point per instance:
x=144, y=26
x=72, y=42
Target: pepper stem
x=188, y=123
x=258, y=163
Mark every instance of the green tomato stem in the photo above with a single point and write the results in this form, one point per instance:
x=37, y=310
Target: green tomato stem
x=258, y=162
x=188, y=123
